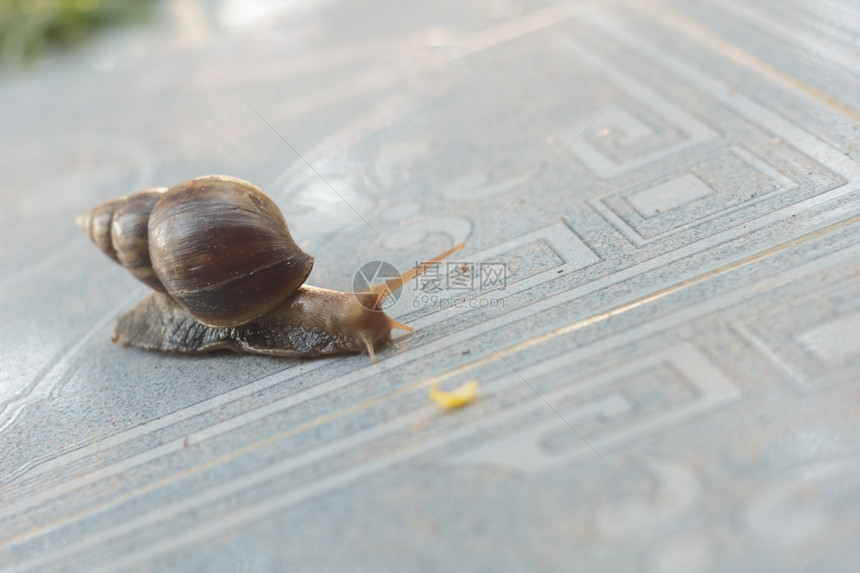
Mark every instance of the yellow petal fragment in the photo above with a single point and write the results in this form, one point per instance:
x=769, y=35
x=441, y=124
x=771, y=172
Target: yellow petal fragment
x=457, y=397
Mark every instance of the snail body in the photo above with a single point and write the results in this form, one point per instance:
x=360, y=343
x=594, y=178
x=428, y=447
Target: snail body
x=313, y=322
x=228, y=275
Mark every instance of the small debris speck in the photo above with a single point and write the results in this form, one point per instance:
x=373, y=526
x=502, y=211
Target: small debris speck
x=456, y=398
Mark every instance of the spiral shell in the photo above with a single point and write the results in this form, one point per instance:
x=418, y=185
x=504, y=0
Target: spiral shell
x=120, y=229
x=216, y=244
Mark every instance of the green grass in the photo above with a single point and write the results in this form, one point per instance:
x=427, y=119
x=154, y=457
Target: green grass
x=32, y=28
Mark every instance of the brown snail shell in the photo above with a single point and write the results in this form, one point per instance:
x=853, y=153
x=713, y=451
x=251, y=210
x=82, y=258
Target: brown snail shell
x=231, y=277
x=216, y=244
x=119, y=229
x=129, y=236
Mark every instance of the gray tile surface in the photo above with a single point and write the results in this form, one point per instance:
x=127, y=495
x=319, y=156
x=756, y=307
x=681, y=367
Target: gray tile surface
x=668, y=378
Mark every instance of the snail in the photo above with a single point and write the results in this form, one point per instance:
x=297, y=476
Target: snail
x=227, y=274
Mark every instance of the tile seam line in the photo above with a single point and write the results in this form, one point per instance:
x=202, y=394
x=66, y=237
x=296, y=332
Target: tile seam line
x=699, y=33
